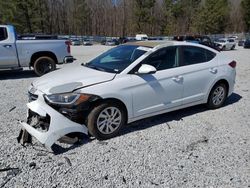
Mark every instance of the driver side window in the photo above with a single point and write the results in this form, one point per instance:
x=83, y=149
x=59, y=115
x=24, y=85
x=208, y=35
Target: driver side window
x=162, y=59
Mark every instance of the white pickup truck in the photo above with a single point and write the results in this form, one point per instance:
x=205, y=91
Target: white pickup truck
x=41, y=55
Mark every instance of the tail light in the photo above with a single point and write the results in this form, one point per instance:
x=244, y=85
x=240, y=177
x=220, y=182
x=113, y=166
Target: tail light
x=68, y=46
x=232, y=64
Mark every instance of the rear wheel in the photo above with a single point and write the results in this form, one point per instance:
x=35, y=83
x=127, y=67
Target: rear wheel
x=217, y=96
x=44, y=65
x=106, y=120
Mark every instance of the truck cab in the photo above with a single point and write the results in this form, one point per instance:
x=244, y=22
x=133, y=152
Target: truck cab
x=8, y=51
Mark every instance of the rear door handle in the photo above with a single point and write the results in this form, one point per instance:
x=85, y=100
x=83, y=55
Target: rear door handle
x=213, y=70
x=7, y=46
x=177, y=78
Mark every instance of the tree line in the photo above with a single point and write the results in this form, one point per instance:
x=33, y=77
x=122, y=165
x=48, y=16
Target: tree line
x=126, y=17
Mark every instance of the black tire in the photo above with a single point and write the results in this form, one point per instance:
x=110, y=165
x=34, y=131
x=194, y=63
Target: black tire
x=233, y=47
x=94, y=117
x=44, y=65
x=214, y=101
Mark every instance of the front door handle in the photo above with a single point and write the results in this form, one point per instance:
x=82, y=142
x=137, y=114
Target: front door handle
x=213, y=70
x=7, y=46
x=177, y=78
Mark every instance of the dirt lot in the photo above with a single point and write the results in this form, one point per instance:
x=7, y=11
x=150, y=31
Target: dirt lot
x=194, y=147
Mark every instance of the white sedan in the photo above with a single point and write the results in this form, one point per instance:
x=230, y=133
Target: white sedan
x=125, y=84
x=226, y=44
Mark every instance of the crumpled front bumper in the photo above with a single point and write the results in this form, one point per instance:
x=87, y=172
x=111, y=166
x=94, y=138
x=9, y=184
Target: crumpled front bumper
x=59, y=124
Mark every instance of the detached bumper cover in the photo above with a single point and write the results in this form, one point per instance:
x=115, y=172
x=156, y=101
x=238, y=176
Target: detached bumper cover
x=59, y=124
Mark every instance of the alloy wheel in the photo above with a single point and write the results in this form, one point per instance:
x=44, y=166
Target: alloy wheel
x=109, y=120
x=218, y=95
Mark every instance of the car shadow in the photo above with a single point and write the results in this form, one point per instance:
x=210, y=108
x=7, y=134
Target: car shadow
x=177, y=115
x=234, y=98
x=57, y=149
x=13, y=74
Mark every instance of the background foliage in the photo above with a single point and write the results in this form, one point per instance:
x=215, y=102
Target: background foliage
x=126, y=17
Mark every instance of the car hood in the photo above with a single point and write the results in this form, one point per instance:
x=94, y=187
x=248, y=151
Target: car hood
x=69, y=78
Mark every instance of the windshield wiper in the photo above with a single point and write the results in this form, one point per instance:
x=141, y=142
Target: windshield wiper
x=93, y=67
x=100, y=68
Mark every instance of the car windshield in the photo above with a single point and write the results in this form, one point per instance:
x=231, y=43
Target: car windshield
x=117, y=59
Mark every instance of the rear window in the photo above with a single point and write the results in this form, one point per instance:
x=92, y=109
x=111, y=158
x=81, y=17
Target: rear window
x=3, y=33
x=193, y=55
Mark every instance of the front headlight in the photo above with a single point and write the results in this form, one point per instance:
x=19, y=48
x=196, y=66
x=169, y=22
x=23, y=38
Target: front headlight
x=67, y=98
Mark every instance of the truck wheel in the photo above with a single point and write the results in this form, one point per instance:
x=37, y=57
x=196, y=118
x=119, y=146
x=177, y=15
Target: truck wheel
x=44, y=65
x=106, y=120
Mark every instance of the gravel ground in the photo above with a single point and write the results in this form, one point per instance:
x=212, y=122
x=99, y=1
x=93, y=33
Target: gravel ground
x=193, y=147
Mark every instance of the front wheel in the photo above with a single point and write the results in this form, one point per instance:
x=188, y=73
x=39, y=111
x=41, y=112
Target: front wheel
x=217, y=96
x=106, y=120
x=44, y=65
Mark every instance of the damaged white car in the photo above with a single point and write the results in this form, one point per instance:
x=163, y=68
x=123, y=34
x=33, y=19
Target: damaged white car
x=125, y=84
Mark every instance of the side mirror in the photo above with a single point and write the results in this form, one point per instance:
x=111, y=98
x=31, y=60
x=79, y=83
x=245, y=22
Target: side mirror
x=147, y=69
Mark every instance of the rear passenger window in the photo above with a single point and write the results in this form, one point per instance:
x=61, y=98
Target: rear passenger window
x=3, y=33
x=194, y=55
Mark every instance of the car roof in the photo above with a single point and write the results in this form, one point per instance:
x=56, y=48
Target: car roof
x=152, y=43
x=157, y=44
